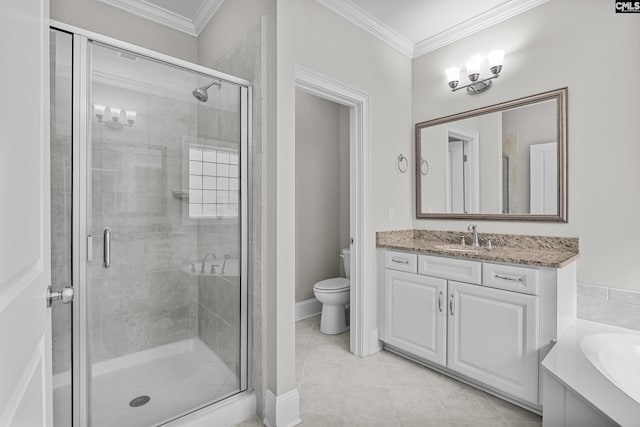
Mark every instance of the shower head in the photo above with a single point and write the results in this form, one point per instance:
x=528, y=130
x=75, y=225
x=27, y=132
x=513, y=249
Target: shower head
x=201, y=94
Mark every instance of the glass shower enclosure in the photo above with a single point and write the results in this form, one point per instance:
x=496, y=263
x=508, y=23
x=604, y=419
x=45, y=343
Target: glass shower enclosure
x=151, y=187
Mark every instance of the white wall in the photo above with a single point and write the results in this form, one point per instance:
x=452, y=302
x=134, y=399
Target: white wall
x=110, y=21
x=320, y=189
x=565, y=43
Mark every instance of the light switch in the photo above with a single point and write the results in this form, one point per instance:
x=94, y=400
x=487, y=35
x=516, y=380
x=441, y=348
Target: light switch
x=392, y=214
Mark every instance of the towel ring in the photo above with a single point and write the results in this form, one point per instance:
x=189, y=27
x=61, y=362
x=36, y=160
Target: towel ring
x=424, y=167
x=403, y=163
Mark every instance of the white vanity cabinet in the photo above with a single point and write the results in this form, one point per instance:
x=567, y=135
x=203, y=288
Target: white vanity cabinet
x=416, y=320
x=492, y=338
x=486, y=323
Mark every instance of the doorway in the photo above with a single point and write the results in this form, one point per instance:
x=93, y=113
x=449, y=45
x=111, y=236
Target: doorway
x=363, y=335
x=462, y=170
x=322, y=196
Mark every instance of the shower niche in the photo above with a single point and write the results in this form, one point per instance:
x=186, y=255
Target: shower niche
x=151, y=181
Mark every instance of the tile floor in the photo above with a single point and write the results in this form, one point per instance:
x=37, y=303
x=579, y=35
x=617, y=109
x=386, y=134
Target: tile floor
x=341, y=390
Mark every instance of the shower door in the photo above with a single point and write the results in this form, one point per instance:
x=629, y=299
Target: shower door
x=162, y=217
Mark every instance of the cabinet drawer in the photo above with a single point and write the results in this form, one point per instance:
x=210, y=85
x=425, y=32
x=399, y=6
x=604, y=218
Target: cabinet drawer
x=510, y=278
x=401, y=261
x=450, y=268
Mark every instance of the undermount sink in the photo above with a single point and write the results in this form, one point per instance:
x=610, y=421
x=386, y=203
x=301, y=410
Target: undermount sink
x=458, y=248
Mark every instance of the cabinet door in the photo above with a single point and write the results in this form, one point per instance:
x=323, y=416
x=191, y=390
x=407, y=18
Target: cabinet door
x=492, y=338
x=415, y=314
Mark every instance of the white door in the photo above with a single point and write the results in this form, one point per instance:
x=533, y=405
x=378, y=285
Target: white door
x=457, y=177
x=416, y=319
x=544, y=178
x=25, y=270
x=491, y=338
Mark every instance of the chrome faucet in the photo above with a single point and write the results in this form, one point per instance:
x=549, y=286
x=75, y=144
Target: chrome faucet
x=205, y=259
x=474, y=228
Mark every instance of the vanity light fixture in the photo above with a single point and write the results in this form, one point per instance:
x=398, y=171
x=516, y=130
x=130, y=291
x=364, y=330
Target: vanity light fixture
x=494, y=58
x=116, y=115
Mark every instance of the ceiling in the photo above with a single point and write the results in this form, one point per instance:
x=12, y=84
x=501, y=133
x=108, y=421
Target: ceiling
x=414, y=27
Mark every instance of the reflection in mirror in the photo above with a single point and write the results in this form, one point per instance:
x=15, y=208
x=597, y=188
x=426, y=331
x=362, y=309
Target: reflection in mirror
x=506, y=161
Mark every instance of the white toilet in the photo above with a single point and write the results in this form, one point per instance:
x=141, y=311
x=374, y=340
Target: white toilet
x=334, y=295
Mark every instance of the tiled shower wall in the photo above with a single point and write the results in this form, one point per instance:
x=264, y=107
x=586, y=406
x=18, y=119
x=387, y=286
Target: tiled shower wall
x=218, y=296
x=243, y=59
x=146, y=299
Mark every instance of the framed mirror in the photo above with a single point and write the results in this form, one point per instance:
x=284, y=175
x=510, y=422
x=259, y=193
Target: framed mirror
x=502, y=162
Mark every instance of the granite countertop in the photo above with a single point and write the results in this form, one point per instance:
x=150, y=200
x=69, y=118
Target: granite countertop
x=541, y=251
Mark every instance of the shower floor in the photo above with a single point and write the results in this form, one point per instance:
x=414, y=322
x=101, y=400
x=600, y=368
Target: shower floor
x=178, y=377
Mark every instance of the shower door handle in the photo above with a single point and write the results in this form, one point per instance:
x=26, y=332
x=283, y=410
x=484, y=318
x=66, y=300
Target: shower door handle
x=106, y=248
x=65, y=295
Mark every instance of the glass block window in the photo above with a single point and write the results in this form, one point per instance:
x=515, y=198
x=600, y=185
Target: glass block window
x=214, y=179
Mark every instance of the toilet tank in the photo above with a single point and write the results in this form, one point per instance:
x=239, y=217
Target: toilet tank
x=346, y=261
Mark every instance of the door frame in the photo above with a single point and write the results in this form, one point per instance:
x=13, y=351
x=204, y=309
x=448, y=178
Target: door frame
x=364, y=337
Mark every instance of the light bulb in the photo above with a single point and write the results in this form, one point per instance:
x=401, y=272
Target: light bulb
x=131, y=116
x=453, y=74
x=495, y=58
x=99, y=110
x=473, y=65
x=115, y=113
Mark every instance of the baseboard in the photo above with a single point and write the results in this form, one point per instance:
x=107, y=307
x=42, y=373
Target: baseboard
x=375, y=345
x=283, y=410
x=308, y=308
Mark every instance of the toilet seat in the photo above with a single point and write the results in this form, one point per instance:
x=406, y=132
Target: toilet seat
x=337, y=284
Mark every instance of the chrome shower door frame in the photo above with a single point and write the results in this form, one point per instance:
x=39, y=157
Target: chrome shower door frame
x=82, y=241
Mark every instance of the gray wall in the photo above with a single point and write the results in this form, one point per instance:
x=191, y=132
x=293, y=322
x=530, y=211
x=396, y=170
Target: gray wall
x=602, y=179
x=113, y=22
x=321, y=191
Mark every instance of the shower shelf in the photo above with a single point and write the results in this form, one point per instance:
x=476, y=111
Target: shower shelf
x=180, y=194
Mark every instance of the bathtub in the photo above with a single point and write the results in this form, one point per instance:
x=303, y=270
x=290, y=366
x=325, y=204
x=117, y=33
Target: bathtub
x=617, y=357
x=591, y=377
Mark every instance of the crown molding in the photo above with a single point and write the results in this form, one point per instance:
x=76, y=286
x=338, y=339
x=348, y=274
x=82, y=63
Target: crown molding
x=165, y=17
x=205, y=13
x=475, y=24
x=362, y=19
